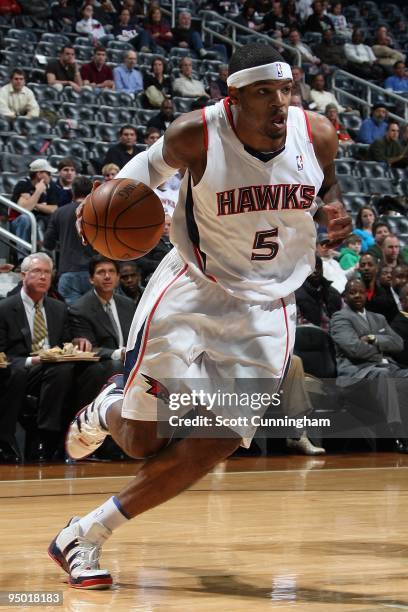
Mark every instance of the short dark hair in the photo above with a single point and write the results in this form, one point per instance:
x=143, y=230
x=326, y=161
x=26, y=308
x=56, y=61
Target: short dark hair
x=99, y=50
x=397, y=63
x=158, y=58
x=378, y=224
x=17, y=71
x=66, y=161
x=97, y=259
x=65, y=47
x=251, y=55
x=81, y=187
x=130, y=263
x=127, y=127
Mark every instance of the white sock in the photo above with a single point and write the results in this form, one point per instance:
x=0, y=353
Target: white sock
x=106, y=404
x=110, y=514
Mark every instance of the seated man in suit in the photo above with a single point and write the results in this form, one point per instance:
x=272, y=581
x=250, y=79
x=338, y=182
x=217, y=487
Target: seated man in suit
x=29, y=321
x=400, y=326
x=104, y=318
x=365, y=349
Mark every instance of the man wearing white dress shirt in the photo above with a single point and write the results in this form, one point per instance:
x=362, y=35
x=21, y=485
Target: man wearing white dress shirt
x=16, y=99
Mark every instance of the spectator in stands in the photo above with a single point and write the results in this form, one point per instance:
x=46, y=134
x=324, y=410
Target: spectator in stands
x=339, y=21
x=152, y=134
x=219, y=87
x=305, y=51
x=399, y=81
x=97, y=73
x=342, y=134
x=390, y=251
x=275, y=20
x=16, y=99
x=104, y=318
x=399, y=279
x=148, y=263
x=66, y=175
x=350, y=254
x=186, y=37
x=321, y=97
x=186, y=85
x=388, y=149
x=385, y=281
x=88, y=25
x=168, y=193
x=106, y=12
x=404, y=136
x=400, y=325
x=64, y=71
x=109, y=171
x=74, y=257
x=36, y=193
x=374, y=127
x=366, y=348
x=318, y=21
x=158, y=28
x=364, y=222
x=332, y=271
x=247, y=16
x=29, y=321
x=296, y=100
x=125, y=30
x=330, y=52
x=361, y=58
x=63, y=14
x=380, y=231
x=299, y=87
x=125, y=149
x=126, y=77
x=130, y=279
x=163, y=119
x=316, y=299
x=160, y=83
x=386, y=55
x=379, y=298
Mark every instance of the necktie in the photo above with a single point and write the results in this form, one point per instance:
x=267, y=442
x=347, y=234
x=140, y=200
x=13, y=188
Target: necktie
x=109, y=312
x=39, y=328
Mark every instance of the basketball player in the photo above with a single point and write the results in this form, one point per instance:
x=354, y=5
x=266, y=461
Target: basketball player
x=220, y=306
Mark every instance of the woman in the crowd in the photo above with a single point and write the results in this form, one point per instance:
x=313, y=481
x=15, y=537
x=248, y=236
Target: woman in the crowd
x=365, y=219
x=159, y=30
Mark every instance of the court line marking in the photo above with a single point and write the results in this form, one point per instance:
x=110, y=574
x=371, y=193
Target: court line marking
x=223, y=473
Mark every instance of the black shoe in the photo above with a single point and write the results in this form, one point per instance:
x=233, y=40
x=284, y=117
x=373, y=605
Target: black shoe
x=401, y=445
x=9, y=454
x=47, y=446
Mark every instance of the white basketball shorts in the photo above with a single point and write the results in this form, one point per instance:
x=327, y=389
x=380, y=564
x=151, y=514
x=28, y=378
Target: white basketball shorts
x=188, y=333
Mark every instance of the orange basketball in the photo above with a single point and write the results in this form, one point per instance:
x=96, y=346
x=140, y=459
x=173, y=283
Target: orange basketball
x=123, y=219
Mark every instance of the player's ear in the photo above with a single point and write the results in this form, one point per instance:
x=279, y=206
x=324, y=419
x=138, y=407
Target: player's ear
x=233, y=95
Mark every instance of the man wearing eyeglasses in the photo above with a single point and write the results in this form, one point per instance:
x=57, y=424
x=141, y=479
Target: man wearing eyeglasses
x=31, y=321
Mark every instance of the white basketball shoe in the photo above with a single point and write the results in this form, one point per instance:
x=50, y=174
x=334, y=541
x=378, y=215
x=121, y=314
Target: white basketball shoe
x=78, y=553
x=86, y=433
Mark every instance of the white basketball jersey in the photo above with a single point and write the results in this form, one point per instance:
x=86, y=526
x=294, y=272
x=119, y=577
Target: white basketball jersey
x=248, y=225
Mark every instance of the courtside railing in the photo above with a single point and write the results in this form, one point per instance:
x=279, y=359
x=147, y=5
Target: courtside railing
x=12, y=239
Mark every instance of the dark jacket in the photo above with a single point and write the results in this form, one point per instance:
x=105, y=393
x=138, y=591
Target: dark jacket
x=400, y=325
x=117, y=154
x=89, y=320
x=15, y=335
x=148, y=263
x=313, y=302
x=383, y=303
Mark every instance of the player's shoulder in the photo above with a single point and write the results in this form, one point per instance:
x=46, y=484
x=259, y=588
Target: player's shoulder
x=324, y=137
x=185, y=137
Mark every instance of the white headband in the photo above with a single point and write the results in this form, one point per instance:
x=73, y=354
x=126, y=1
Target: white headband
x=275, y=71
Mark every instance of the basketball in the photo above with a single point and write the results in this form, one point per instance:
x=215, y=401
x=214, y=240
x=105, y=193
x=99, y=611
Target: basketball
x=122, y=219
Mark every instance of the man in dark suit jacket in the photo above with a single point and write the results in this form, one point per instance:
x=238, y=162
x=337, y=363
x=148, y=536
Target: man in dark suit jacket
x=30, y=320
x=104, y=318
x=400, y=326
x=365, y=348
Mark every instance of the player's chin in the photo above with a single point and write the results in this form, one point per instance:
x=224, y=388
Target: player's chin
x=276, y=130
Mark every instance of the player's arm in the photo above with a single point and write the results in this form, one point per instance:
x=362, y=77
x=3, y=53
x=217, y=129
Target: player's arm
x=182, y=146
x=332, y=214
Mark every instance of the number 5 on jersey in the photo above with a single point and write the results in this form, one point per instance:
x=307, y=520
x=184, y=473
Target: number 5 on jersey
x=263, y=241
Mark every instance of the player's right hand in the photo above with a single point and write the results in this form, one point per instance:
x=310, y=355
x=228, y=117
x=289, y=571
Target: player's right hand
x=79, y=213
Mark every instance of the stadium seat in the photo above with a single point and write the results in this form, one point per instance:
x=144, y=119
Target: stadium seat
x=121, y=45
x=33, y=126
x=109, y=114
x=99, y=150
x=182, y=105
x=44, y=93
x=49, y=49
x=354, y=202
x=22, y=145
x=316, y=349
x=9, y=180
x=71, y=128
x=85, y=96
x=83, y=54
x=4, y=126
x=26, y=46
x=115, y=98
x=350, y=184
x=107, y=132
x=22, y=35
x=344, y=166
x=143, y=116
x=367, y=169
x=382, y=186
x=57, y=39
x=69, y=148
x=10, y=162
x=351, y=122
x=80, y=113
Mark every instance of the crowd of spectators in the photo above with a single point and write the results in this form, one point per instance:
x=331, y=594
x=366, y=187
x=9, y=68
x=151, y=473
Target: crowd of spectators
x=111, y=84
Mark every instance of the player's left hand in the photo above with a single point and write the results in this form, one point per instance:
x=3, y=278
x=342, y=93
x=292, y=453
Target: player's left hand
x=338, y=223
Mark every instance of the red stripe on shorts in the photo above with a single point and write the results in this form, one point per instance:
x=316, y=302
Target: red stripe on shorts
x=146, y=334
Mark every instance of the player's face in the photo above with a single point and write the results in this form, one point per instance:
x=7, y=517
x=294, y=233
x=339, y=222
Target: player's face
x=265, y=105
x=105, y=278
x=355, y=296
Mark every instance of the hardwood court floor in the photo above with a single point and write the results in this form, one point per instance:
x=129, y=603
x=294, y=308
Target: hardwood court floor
x=258, y=534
